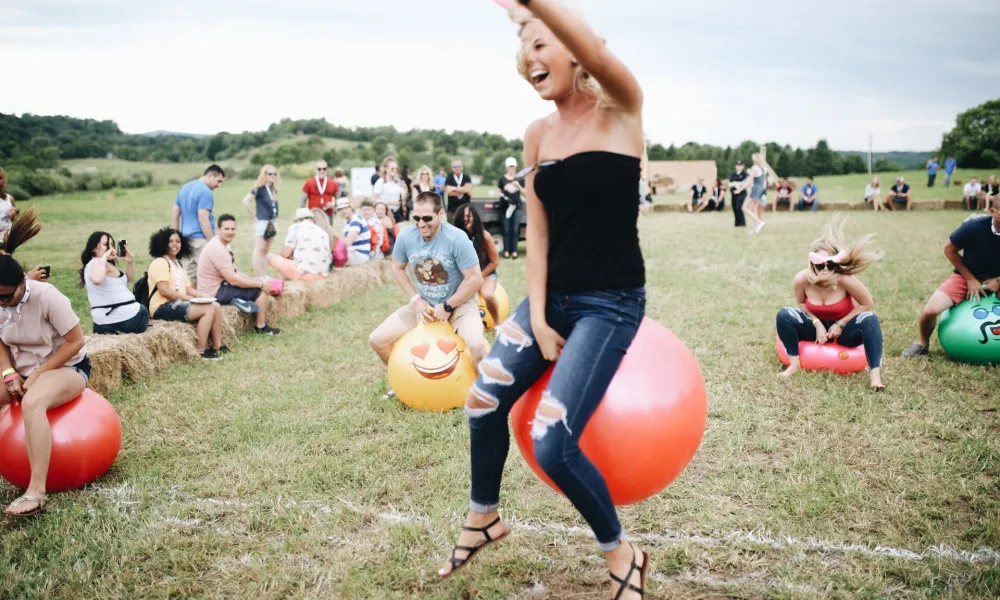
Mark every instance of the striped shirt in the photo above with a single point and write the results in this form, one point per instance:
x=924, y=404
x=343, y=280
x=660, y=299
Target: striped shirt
x=362, y=245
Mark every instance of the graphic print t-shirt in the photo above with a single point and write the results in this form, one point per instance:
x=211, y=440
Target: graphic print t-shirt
x=437, y=264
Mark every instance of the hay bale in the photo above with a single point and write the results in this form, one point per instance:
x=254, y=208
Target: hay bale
x=234, y=323
x=105, y=363
x=292, y=303
x=349, y=282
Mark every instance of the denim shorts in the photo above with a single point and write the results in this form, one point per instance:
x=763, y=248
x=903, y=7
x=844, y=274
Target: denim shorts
x=83, y=368
x=175, y=310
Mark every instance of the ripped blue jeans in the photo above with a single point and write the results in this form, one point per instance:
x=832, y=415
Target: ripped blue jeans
x=794, y=326
x=598, y=328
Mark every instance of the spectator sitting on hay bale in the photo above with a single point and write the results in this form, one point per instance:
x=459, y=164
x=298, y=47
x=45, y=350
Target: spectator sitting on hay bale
x=172, y=292
x=217, y=278
x=112, y=305
x=306, y=255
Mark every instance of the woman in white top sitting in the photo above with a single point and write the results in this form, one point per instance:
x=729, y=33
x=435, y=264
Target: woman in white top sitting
x=171, y=292
x=7, y=209
x=112, y=305
x=390, y=190
x=873, y=194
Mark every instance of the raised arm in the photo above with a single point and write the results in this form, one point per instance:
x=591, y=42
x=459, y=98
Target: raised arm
x=591, y=52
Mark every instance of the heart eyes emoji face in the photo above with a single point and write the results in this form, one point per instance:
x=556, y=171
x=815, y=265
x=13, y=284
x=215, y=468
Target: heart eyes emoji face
x=420, y=351
x=447, y=346
x=439, y=364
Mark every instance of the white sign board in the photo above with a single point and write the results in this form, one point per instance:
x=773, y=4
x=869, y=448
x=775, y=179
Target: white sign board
x=361, y=181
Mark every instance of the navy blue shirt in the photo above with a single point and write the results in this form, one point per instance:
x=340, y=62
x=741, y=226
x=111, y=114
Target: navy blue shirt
x=267, y=205
x=980, y=247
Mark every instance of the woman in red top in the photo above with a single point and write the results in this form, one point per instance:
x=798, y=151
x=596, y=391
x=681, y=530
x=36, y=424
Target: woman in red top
x=833, y=304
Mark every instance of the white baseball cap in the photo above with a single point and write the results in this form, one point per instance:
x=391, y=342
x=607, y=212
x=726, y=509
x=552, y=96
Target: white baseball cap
x=302, y=213
x=510, y=162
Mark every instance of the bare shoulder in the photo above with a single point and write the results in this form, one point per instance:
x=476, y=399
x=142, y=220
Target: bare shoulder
x=802, y=277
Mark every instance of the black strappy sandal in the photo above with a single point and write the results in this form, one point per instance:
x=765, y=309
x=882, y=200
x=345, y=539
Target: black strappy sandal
x=625, y=585
x=458, y=563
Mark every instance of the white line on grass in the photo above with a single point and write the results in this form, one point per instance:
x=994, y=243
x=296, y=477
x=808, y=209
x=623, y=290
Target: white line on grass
x=122, y=496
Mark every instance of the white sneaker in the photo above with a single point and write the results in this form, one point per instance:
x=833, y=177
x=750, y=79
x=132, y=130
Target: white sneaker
x=759, y=227
x=390, y=394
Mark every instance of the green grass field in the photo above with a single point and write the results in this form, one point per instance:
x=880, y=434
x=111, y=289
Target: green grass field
x=281, y=472
x=851, y=188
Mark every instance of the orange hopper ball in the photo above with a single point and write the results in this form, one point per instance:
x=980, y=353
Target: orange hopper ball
x=86, y=437
x=649, y=424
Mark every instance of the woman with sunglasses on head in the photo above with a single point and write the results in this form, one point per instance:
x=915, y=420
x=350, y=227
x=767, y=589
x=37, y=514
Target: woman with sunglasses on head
x=468, y=220
x=832, y=303
x=586, y=293
x=113, y=307
x=264, y=198
x=43, y=360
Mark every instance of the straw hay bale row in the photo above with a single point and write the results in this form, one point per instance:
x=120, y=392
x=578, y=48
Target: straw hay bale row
x=835, y=206
x=116, y=358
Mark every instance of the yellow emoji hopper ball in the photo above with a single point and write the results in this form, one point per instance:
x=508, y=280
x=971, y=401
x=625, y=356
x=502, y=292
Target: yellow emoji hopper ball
x=430, y=368
x=503, y=307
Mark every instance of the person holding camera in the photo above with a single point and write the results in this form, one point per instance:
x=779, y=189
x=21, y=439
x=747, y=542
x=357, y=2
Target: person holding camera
x=112, y=305
x=173, y=298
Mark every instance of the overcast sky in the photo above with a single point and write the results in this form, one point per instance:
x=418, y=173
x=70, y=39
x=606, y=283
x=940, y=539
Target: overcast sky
x=714, y=71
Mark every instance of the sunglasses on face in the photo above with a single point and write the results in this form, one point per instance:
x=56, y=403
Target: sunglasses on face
x=827, y=266
x=417, y=219
x=272, y=174
x=320, y=168
x=542, y=165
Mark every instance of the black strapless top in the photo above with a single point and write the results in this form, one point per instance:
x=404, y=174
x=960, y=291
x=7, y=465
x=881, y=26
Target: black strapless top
x=592, y=201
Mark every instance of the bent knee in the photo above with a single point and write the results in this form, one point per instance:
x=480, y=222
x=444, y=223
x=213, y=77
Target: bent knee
x=480, y=403
x=791, y=315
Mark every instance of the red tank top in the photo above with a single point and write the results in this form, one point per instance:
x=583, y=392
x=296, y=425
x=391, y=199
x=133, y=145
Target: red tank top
x=831, y=312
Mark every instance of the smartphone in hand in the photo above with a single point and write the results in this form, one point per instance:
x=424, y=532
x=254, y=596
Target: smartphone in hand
x=48, y=271
x=121, y=248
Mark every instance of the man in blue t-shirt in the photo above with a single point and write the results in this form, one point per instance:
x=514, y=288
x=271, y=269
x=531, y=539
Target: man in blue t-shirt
x=977, y=273
x=949, y=169
x=445, y=269
x=192, y=214
x=810, y=196
x=439, y=180
x=932, y=169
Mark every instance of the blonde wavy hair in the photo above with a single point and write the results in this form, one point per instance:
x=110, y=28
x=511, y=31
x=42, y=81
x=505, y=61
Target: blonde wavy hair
x=858, y=255
x=430, y=175
x=262, y=178
x=582, y=80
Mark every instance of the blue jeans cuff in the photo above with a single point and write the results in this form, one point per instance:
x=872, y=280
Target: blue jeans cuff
x=483, y=508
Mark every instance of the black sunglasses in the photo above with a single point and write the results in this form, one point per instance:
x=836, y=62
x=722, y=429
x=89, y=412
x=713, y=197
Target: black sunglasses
x=417, y=219
x=828, y=266
x=273, y=173
x=320, y=168
x=542, y=165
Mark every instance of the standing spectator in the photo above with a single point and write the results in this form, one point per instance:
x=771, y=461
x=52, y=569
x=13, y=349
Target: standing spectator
x=319, y=192
x=511, y=189
x=391, y=190
x=810, y=196
x=698, y=199
x=718, y=201
x=357, y=234
x=949, y=170
x=932, y=169
x=7, y=208
x=407, y=183
x=784, y=195
x=343, y=185
x=424, y=183
x=193, y=215
x=378, y=174
x=873, y=194
x=264, y=196
x=990, y=191
x=306, y=255
x=758, y=192
x=458, y=187
x=970, y=194
x=899, y=194
x=439, y=181
x=172, y=293
x=739, y=184
x=218, y=278
x=113, y=307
